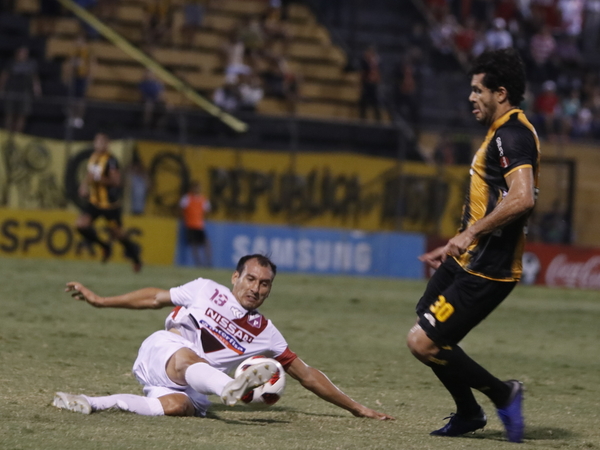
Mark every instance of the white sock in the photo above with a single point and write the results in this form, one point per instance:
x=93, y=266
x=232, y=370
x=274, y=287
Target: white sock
x=144, y=406
x=206, y=379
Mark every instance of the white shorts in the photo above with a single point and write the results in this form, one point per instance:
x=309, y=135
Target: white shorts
x=150, y=368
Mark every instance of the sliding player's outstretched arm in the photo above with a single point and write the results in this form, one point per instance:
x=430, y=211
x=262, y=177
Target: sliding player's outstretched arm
x=146, y=298
x=316, y=381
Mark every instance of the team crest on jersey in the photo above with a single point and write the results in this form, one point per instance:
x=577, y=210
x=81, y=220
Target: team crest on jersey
x=255, y=320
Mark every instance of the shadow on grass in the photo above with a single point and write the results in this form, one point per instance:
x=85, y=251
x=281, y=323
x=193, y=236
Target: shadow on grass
x=531, y=434
x=547, y=433
x=216, y=409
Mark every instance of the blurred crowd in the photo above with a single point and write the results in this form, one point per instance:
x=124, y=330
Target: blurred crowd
x=555, y=38
x=253, y=57
x=563, y=96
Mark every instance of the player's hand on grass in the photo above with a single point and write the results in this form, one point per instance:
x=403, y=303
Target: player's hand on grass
x=372, y=414
x=80, y=292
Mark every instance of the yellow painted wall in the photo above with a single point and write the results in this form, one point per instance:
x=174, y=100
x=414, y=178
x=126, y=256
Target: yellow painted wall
x=330, y=189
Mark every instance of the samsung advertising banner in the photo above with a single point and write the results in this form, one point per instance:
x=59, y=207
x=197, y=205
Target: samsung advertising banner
x=313, y=250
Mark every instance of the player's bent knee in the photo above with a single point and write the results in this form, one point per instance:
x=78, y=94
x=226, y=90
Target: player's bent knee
x=420, y=345
x=177, y=405
x=179, y=362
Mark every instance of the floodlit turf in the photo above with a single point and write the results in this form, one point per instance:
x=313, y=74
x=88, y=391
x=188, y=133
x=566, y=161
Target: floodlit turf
x=353, y=329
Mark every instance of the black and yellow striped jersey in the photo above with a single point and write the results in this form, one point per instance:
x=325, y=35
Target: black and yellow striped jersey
x=511, y=143
x=101, y=196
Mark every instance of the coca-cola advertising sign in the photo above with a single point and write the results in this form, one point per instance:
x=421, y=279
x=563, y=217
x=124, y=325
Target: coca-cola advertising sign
x=561, y=265
x=551, y=265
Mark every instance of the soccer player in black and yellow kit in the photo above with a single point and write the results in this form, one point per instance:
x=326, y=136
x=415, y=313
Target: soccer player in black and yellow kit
x=102, y=189
x=480, y=266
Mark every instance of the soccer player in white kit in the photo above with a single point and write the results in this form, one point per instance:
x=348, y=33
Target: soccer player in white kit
x=210, y=331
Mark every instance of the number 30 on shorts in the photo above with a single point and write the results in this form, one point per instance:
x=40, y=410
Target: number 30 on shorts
x=441, y=309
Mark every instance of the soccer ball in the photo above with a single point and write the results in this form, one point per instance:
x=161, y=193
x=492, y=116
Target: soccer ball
x=269, y=393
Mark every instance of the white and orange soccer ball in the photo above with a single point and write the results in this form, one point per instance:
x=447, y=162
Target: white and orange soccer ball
x=269, y=393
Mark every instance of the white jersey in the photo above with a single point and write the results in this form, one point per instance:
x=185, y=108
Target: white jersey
x=208, y=315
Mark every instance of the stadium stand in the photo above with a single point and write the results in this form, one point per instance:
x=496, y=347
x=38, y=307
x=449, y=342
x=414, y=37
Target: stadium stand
x=327, y=90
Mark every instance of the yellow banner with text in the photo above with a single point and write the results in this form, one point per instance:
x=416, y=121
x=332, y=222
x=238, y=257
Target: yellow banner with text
x=308, y=189
x=51, y=234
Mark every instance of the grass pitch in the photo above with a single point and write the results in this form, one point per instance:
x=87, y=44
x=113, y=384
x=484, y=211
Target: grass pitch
x=352, y=329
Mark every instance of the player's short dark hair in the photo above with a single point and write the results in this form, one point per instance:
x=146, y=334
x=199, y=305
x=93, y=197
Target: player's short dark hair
x=502, y=68
x=262, y=260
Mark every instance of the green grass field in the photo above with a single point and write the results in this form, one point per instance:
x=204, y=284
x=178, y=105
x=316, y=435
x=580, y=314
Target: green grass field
x=353, y=329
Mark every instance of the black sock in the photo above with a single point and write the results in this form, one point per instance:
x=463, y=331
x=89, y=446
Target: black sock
x=90, y=235
x=466, y=405
x=459, y=366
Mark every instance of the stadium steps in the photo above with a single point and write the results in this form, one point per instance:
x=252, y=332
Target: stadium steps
x=327, y=90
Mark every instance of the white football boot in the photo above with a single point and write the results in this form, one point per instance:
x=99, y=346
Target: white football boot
x=254, y=376
x=75, y=403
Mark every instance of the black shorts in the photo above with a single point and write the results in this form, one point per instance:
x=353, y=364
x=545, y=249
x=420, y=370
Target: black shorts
x=112, y=215
x=455, y=301
x=195, y=237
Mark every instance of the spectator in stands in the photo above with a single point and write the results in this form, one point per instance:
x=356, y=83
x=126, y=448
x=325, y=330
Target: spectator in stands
x=291, y=85
x=19, y=83
x=569, y=112
x=82, y=64
x=583, y=123
x=542, y=47
x=465, y=39
x=370, y=78
x=442, y=38
x=234, y=58
x=546, y=107
x=194, y=207
x=251, y=92
x=193, y=14
x=227, y=97
x=155, y=106
x=406, y=88
x=282, y=82
x=157, y=21
x=252, y=36
x=571, y=12
x=498, y=37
